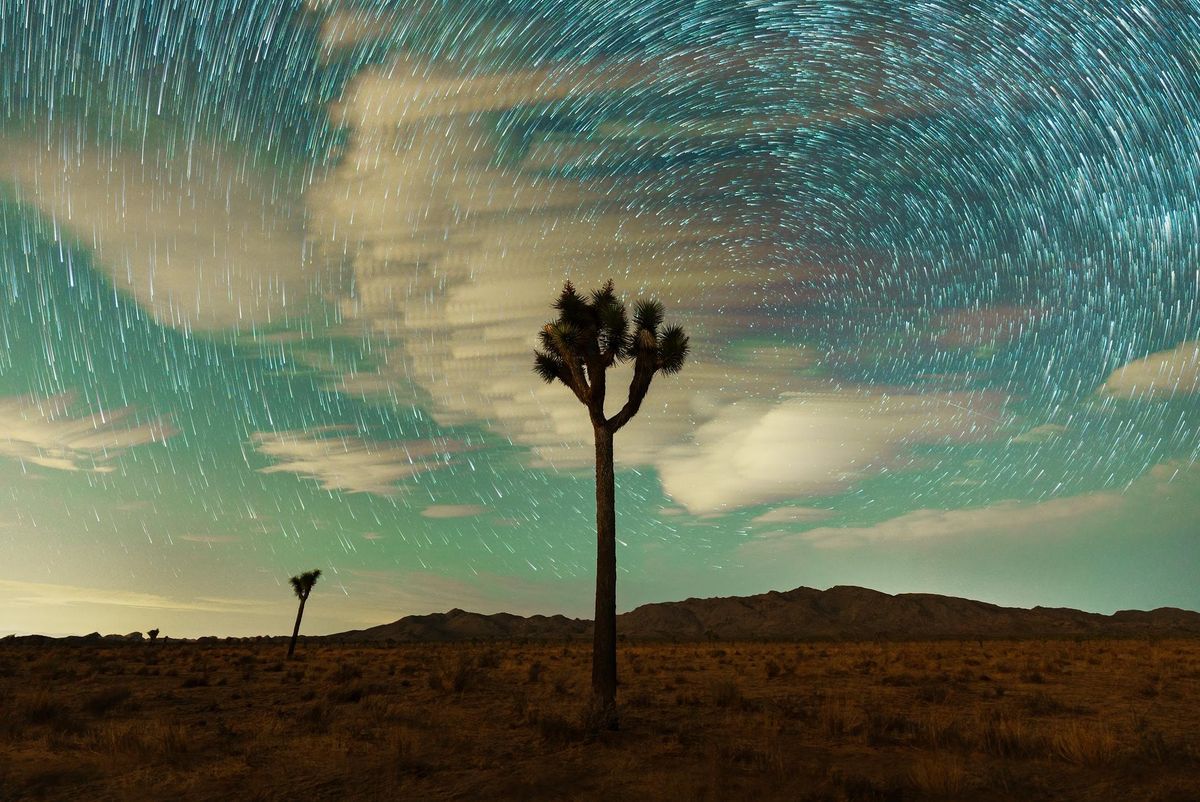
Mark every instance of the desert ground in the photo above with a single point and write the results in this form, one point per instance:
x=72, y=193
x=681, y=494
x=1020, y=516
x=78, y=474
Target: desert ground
x=816, y=722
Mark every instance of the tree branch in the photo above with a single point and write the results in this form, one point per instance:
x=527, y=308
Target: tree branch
x=643, y=374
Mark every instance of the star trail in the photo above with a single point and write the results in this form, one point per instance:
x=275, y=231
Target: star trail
x=271, y=274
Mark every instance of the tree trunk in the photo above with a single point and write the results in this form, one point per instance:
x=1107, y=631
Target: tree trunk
x=296, y=630
x=604, y=643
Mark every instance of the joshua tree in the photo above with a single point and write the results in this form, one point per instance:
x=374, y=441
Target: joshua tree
x=303, y=586
x=590, y=335
x=153, y=635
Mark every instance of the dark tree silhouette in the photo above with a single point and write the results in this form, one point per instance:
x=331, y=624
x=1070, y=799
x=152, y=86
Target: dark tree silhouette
x=153, y=635
x=590, y=335
x=302, y=585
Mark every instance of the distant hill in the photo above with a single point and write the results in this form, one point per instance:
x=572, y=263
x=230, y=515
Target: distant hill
x=840, y=613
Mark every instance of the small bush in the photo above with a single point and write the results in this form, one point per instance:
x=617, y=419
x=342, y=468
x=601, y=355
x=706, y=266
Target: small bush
x=1085, y=744
x=939, y=775
x=559, y=730
x=43, y=709
x=725, y=693
x=464, y=676
x=102, y=702
x=345, y=673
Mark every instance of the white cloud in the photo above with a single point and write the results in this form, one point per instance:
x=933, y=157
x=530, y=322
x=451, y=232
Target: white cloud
x=453, y=511
x=207, y=539
x=341, y=461
x=1159, y=375
x=806, y=445
x=793, y=515
x=199, y=242
x=456, y=259
x=44, y=432
x=1006, y=517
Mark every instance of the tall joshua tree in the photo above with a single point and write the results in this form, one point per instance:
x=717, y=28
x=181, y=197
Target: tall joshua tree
x=302, y=585
x=591, y=335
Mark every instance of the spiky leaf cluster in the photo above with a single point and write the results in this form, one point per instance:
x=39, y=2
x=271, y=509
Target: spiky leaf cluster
x=302, y=585
x=592, y=333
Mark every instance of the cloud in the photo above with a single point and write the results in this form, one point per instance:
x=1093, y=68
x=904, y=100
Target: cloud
x=207, y=539
x=1010, y=518
x=341, y=461
x=1158, y=376
x=453, y=511
x=984, y=327
x=456, y=256
x=807, y=445
x=793, y=515
x=200, y=242
x=43, y=432
x=1041, y=434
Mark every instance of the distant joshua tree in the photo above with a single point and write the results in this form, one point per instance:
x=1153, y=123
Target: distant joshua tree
x=591, y=335
x=153, y=635
x=302, y=585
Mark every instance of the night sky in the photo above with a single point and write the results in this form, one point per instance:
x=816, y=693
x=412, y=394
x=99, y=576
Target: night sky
x=271, y=275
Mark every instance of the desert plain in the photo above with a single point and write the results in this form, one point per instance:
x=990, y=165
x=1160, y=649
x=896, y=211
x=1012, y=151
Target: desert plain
x=876, y=721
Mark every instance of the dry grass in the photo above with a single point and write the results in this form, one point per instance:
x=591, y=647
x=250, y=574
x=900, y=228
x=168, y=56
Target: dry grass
x=810, y=722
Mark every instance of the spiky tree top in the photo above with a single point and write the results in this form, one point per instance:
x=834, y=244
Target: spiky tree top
x=593, y=333
x=303, y=584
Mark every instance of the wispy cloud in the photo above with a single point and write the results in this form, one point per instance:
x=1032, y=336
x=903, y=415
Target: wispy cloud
x=352, y=463
x=458, y=269
x=1012, y=518
x=201, y=242
x=453, y=511
x=1158, y=376
x=793, y=515
x=815, y=444
x=45, y=432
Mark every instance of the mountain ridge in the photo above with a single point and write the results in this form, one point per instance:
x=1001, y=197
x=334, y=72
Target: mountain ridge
x=843, y=612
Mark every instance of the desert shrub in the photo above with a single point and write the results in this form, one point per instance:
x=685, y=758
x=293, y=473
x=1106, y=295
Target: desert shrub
x=44, y=709
x=1084, y=743
x=146, y=739
x=102, y=702
x=351, y=694
x=464, y=675
x=939, y=775
x=558, y=729
x=933, y=693
x=314, y=717
x=901, y=680
x=725, y=693
x=838, y=718
x=884, y=726
x=345, y=673
x=1041, y=703
x=1003, y=735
